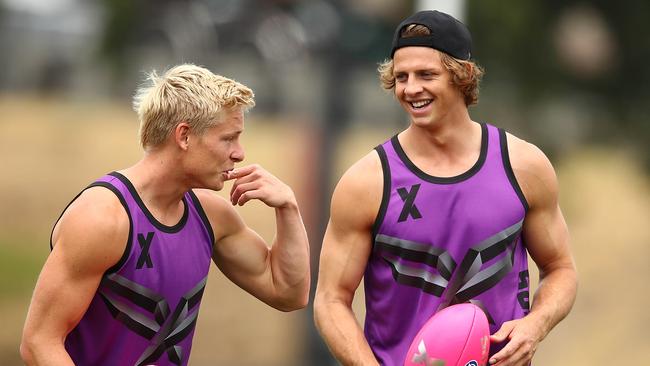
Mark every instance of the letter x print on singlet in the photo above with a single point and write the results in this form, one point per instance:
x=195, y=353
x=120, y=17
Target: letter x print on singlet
x=409, y=209
x=145, y=244
x=453, y=282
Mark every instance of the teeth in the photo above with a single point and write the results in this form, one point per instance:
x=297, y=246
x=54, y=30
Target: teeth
x=421, y=103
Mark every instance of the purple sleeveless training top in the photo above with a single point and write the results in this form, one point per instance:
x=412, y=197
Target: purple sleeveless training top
x=441, y=241
x=146, y=306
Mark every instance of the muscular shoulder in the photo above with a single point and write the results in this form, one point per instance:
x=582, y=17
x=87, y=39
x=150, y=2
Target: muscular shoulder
x=533, y=171
x=223, y=218
x=93, y=231
x=357, y=196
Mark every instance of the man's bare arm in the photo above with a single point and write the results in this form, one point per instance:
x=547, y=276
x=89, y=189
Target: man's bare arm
x=344, y=256
x=279, y=273
x=547, y=239
x=89, y=239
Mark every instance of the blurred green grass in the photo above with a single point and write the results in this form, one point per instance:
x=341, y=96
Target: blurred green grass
x=20, y=264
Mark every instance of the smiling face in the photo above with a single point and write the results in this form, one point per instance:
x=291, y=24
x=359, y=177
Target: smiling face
x=423, y=86
x=212, y=154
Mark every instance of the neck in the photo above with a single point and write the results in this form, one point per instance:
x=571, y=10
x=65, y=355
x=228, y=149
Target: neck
x=444, y=151
x=454, y=132
x=156, y=179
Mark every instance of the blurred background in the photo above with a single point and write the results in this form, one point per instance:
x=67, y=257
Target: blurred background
x=570, y=76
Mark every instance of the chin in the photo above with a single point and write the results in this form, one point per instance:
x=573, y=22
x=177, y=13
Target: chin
x=217, y=186
x=212, y=184
x=423, y=123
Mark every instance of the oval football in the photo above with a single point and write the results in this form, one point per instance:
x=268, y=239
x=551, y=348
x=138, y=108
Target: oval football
x=458, y=335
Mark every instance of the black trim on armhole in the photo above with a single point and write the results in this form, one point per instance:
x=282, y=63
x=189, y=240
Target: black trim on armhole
x=129, y=241
x=61, y=215
x=385, y=197
x=204, y=217
x=505, y=156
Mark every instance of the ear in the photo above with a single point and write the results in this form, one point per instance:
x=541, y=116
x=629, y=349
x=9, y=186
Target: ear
x=182, y=135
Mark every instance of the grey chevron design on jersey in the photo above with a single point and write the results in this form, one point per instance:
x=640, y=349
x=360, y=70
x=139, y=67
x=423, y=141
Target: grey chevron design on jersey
x=454, y=283
x=406, y=250
x=472, y=279
x=163, y=329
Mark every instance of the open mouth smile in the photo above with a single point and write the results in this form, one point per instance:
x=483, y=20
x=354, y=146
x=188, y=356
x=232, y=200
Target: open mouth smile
x=420, y=103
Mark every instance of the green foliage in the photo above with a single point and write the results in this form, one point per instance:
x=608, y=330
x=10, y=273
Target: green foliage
x=120, y=28
x=516, y=43
x=19, y=267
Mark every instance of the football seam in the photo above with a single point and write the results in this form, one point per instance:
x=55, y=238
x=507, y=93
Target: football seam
x=469, y=336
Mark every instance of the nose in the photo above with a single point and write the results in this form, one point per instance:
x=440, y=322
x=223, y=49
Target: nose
x=237, y=155
x=412, y=87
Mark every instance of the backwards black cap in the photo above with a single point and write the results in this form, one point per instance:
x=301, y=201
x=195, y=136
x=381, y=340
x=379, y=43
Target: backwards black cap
x=447, y=34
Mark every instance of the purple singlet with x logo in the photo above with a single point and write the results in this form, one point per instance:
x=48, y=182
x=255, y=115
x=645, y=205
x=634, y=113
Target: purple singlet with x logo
x=146, y=306
x=442, y=241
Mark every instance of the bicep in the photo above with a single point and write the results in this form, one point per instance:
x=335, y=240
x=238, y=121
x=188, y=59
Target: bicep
x=343, y=259
x=242, y=256
x=547, y=238
x=347, y=242
x=236, y=247
x=62, y=294
x=545, y=230
x=239, y=252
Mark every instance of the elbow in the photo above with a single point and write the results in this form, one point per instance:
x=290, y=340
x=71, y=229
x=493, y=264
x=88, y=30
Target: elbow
x=576, y=281
x=287, y=308
x=318, y=309
x=322, y=305
x=291, y=298
x=293, y=303
x=295, y=297
x=327, y=309
x=27, y=350
x=303, y=301
x=36, y=346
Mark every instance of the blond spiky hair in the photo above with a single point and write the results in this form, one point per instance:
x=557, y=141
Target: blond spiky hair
x=185, y=93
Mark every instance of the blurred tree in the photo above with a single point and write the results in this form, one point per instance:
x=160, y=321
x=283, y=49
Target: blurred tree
x=572, y=50
x=121, y=25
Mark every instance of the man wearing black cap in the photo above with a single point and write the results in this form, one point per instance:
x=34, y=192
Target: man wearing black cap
x=445, y=212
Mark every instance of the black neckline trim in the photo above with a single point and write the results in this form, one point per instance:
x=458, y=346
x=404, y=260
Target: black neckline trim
x=159, y=225
x=444, y=180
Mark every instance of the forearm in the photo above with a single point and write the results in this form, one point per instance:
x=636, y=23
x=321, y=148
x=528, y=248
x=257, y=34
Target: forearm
x=342, y=334
x=290, y=255
x=554, y=297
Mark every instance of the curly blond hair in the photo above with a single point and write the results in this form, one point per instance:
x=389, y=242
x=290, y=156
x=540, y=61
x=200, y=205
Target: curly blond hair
x=466, y=75
x=185, y=93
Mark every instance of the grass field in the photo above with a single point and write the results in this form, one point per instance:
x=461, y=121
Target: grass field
x=50, y=149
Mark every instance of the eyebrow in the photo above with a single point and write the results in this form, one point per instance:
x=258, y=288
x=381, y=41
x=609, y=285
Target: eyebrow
x=431, y=69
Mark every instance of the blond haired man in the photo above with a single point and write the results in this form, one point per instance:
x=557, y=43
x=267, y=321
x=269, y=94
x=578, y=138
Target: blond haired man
x=130, y=254
x=444, y=212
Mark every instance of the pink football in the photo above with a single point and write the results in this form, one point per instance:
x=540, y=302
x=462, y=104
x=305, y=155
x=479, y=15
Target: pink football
x=458, y=335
